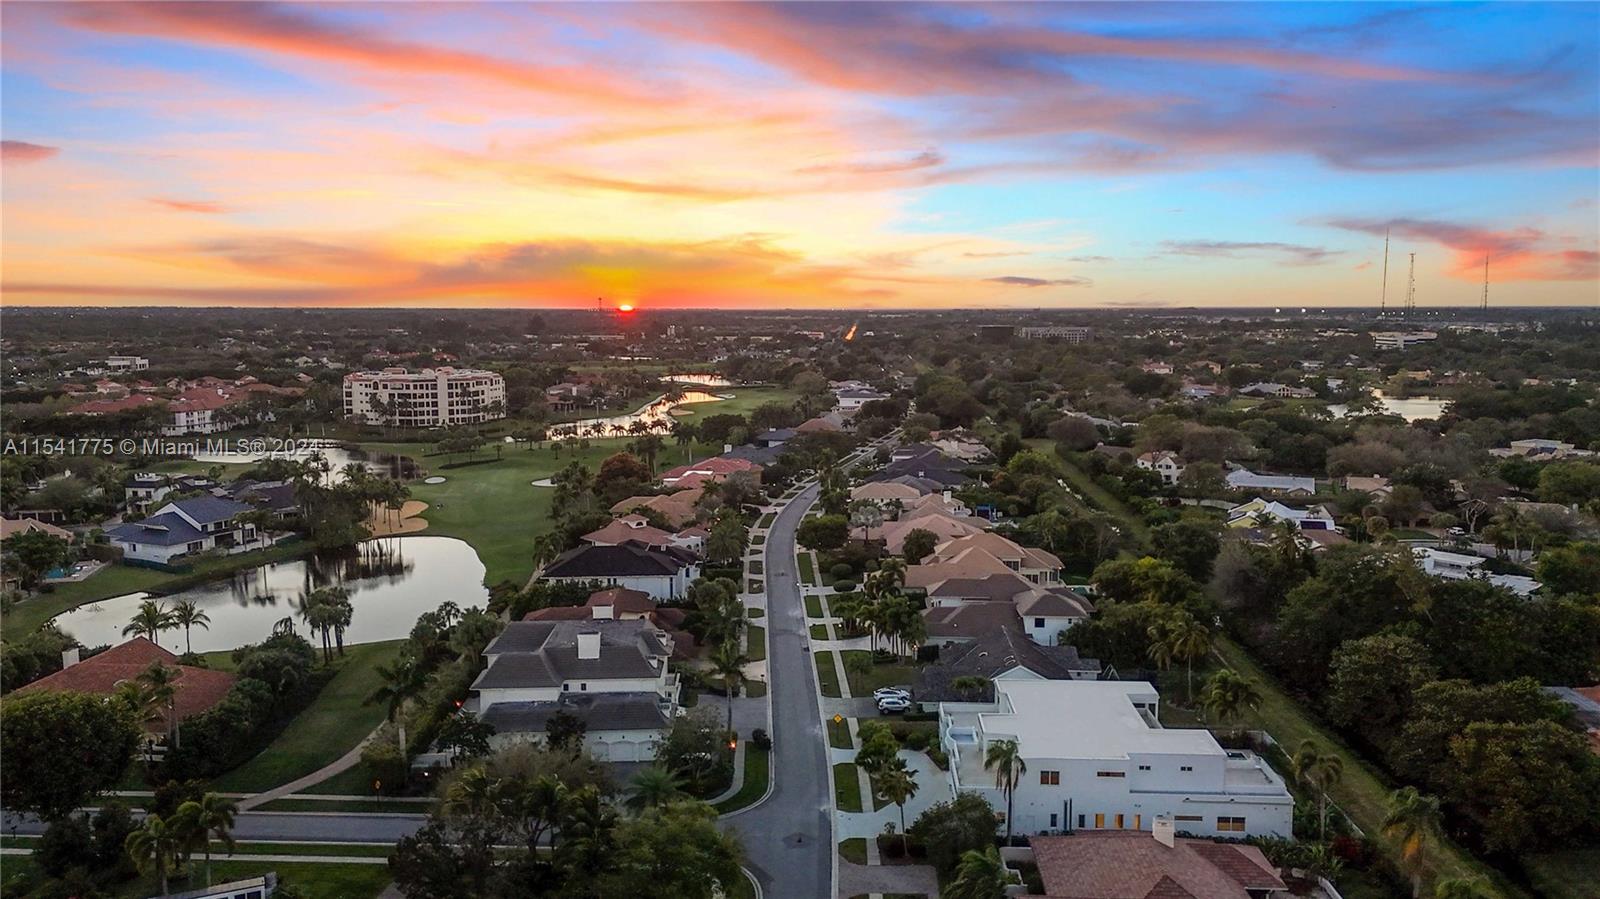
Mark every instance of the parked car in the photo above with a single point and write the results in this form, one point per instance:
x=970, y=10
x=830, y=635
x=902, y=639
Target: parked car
x=893, y=705
x=891, y=693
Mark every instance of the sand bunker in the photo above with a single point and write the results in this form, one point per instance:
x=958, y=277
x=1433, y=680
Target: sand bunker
x=408, y=521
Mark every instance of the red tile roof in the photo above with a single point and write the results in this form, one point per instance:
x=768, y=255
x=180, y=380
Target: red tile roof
x=109, y=407
x=198, y=688
x=1133, y=865
x=621, y=599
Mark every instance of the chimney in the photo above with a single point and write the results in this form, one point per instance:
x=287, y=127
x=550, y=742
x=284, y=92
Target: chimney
x=1161, y=828
x=69, y=657
x=727, y=447
x=602, y=613
x=588, y=644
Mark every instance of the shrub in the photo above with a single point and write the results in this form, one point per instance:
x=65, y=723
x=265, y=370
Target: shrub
x=844, y=586
x=386, y=768
x=841, y=570
x=761, y=739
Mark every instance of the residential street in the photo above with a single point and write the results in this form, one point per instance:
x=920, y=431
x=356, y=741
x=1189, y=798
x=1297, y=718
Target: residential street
x=788, y=838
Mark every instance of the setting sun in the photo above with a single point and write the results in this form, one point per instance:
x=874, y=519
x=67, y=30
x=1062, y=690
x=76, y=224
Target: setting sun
x=625, y=307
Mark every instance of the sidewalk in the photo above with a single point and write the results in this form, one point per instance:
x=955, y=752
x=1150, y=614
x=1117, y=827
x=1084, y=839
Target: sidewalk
x=338, y=766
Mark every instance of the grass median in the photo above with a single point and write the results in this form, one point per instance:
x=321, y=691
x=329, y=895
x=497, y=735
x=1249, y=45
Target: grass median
x=846, y=787
x=827, y=675
x=757, y=764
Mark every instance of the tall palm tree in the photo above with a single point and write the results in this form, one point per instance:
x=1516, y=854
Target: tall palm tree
x=1228, y=695
x=1004, y=758
x=210, y=816
x=473, y=794
x=401, y=682
x=186, y=614
x=149, y=621
x=1189, y=640
x=160, y=685
x=727, y=662
x=154, y=846
x=654, y=787
x=898, y=784
x=1411, y=819
x=1320, y=771
x=979, y=875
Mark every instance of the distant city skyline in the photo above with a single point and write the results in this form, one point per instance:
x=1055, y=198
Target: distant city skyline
x=790, y=155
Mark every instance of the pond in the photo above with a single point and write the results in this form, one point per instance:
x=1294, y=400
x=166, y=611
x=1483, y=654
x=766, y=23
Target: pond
x=657, y=414
x=1411, y=408
x=337, y=455
x=391, y=581
x=704, y=380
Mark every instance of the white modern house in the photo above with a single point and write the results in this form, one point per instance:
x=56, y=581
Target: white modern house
x=184, y=527
x=852, y=398
x=1245, y=479
x=1458, y=567
x=1166, y=464
x=1259, y=513
x=1098, y=759
x=610, y=674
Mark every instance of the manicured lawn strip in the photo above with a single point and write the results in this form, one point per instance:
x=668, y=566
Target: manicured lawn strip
x=813, y=607
x=895, y=674
x=755, y=613
x=350, y=782
x=755, y=689
x=819, y=632
x=119, y=580
x=839, y=734
x=808, y=571
x=757, y=638
x=854, y=850
x=1567, y=874
x=767, y=520
x=315, y=881
x=340, y=849
x=846, y=787
x=756, y=764
x=359, y=806
x=1362, y=792
x=756, y=567
x=332, y=725
x=827, y=677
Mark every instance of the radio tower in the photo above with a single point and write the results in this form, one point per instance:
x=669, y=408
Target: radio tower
x=1485, y=304
x=1383, y=297
x=1411, y=287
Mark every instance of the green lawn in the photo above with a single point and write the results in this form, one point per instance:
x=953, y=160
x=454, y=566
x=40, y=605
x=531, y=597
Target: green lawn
x=819, y=632
x=767, y=520
x=1569, y=874
x=1103, y=500
x=741, y=401
x=813, y=607
x=839, y=734
x=328, y=728
x=311, y=879
x=854, y=850
x=756, y=764
x=1362, y=792
x=846, y=787
x=118, y=580
x=808, y=571
x=755, y=613
x=827, y=677
x=358, y=806
x=862, y=683
x=757, y=638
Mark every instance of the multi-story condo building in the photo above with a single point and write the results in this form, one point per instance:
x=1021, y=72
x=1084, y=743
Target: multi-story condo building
x=1098, y=759
x=127, y=363
x=1399, y=340
x=430, y=398
x=1061, y=332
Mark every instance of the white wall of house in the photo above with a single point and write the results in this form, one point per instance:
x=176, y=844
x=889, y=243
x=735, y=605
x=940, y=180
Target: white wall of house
x=658, y=586
x=1046, y=630
x=604, y=745
x=492, y=696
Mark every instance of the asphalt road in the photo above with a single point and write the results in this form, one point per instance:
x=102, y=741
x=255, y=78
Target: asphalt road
x=788, y=838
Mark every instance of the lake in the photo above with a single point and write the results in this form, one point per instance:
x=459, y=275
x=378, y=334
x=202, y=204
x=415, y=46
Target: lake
x=337, y=454
x=656, y=413
x=391, y=581
x=1411, y=408
x=703, y=380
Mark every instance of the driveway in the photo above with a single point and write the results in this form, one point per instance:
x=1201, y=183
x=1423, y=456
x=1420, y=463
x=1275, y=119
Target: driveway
x=788, y=838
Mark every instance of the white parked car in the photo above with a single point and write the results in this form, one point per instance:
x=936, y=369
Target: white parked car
x=891, y=693
x=893, y=705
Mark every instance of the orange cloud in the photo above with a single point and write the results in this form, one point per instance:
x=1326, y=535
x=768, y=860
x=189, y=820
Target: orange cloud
x=20, y=152
x=1520, y=254
x=200, y=206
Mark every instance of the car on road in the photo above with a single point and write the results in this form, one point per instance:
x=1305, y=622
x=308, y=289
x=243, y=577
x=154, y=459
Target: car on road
x=893, y=705
x=891, y=692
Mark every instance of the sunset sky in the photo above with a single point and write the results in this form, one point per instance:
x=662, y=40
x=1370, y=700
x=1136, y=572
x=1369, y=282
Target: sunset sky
x=767, y=156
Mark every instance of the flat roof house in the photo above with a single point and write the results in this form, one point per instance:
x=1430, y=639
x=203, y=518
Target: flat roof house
x=1099, y=759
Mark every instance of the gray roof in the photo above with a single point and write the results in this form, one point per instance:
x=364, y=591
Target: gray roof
x=168, y=529
x=761, y=455
x=210, y=509
x=625, y=560
x=598, y=711
x=996, y=644
x=545, y=653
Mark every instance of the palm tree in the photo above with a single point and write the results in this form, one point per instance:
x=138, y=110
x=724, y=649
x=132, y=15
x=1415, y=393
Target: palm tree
x=1004, y=758
x=154, y=846
x=545, y=548
x=1189, y=640
x=160, y=685
x=898, y=784
x=979, y=875
x=728, y=663
x=186, y=614
x=474, y=794
x=1319, y=771
x=1412, y=817
x=654, y=787
x=402, y=681
x=1463, y=888
x=1228, y=695
x=209, y=816
x=149, y=622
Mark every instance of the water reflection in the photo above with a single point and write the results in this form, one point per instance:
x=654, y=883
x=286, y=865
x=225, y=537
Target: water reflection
x=704, y=380
x=1411, y=408
x=391, y=581
x=654, y=416
x=337, y=455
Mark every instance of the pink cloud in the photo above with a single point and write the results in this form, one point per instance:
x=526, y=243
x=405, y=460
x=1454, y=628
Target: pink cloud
x=20, y=152
x=1517, y=254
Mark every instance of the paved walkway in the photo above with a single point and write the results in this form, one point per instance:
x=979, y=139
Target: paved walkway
x=859, y=880
x=932, y=787
x=338, y=766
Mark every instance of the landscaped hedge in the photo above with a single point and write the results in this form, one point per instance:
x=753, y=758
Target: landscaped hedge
x=253, y=712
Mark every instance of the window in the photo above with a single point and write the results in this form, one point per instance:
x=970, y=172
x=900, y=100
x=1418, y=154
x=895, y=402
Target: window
x=1230, y=825
x=583, y=686
x=1038, y=622
x=1080, y=821
x=1111, y=774
x=1052, y=822
x=1186, y=768
x=1138, y=822
x=1119, y=822
x=1144, y=767
x=1189, y=818
x=1050, y=778
x=1099, y=820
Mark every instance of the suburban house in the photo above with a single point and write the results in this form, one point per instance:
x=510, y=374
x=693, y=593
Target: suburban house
x=1263, y=513
x=1375, y=485
x=635, y=529
x=1245, y=479
x=1538, y=447
x=708, y=471
x=853, y=398
x=931, y=465
x=1166, y=464
x=185, y=527
x=146, y=488
x=566, y=396
x=677, y=509
x=943, y=527
x=612, y=675
x=1036, y=565
x=198, y=689
x=885, y=493
x=826, y=423
x=662, y=573
x=12, y=527
x=1162, y=865
x=1098, y=758
x=984, y=642
x=622, y=604
x=1272, y=388
x=1459, y=567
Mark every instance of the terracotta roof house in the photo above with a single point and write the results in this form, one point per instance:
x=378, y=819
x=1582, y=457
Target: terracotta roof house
x=628, y=529
x=830, y=422
x=11, y=527
x=1134, y=865
x=622, y=604
x=941, y=526
x=708, y=471
x=974, y=563
x=111, y=407
x=198, y=688
x=677, y=509
x=1037, y=565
